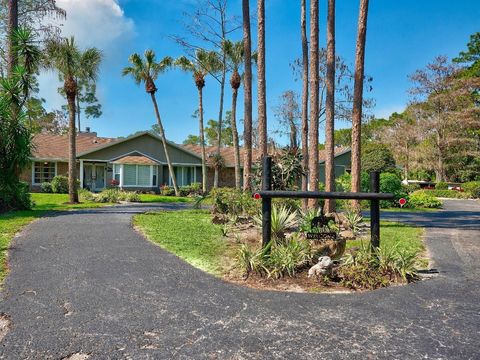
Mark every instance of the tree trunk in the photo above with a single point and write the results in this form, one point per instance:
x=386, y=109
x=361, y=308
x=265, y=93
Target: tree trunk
x=293, y=134
x=303, y=25
x=72, y=135
x=330, y=109
x=78, y=113
x=202, y=140
x=314, y=94
x=220, y=114
x=262, y=106
x=357, y=101
x=12, y=26
x=236, y=149
x=247, y=85
x=164, y=142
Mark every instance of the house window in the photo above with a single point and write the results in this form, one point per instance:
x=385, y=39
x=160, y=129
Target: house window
x=44, y=172
x=137, y=175
x=116, y=173
x=185, y=175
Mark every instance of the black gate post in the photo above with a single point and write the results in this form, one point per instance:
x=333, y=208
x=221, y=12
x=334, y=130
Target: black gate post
x=266, y=201
x=374, y=211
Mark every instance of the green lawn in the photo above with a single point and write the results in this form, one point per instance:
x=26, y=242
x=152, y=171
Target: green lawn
x=152, y=198
x=393, y=233
x=191, y=235
x=188, y=234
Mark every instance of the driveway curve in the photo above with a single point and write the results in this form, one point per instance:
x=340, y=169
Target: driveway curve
x=85, y=283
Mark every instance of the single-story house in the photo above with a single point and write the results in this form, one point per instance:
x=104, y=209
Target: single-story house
x=136, y=162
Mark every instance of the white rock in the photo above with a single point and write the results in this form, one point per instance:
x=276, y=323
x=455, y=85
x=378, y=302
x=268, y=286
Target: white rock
x=323, y=267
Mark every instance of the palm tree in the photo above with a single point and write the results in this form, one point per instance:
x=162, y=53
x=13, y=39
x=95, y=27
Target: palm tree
x=247, y=85
x=146, y=70
x=205, y=62
x=12, y=27
x=330, y=108
x=303, y=26
x=64, y=56
x=262, y=106
x=314, y=104
x=358, y=99
x=235, y=52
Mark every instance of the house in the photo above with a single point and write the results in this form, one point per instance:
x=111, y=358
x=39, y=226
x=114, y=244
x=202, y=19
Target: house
x=342, y=161
x=137, y=162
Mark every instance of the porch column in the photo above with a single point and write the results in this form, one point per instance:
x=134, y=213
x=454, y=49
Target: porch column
x=121, y=175
x=81, y=174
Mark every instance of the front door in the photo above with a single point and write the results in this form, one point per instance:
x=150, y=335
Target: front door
x=94, y=177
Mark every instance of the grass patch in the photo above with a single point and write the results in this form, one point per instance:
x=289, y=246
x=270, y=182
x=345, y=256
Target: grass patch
x=394, y=209
x=405, y=237
x=188, y=234
x=152, y=198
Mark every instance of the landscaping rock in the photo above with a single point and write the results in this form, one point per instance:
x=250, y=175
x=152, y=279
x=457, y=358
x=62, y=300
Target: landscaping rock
x=347, y=234
x=323, y=267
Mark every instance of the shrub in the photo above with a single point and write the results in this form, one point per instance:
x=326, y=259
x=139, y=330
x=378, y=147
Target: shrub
x=410, y=188
x=46, y=187
x=344, y=182
x=391, y=183
x=451, y=194
x=115, y=195
x=15, y=196
x=60, y=184
x=370, y=270
x=85, y=195
x=472, y=187
x=166, y=190
x=276, y=259
x=282, y=219
x=190, y=190
x=424, y=199
x=233, y=202
x=441, y=185
x=353, y=221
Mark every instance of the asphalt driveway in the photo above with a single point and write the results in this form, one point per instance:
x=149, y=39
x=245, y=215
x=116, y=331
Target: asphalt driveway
x=86, y=283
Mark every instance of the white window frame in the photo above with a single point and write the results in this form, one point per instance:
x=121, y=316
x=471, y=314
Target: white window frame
x=122, y=172
x=33, y=170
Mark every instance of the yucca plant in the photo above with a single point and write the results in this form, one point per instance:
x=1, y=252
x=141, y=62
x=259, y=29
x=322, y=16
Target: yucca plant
x=353, y=221
x=282, y=220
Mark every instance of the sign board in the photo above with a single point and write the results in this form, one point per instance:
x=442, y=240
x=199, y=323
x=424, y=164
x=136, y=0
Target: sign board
x=322, y=236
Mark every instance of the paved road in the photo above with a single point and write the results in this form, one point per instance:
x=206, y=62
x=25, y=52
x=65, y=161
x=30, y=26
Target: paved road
x=85, y=282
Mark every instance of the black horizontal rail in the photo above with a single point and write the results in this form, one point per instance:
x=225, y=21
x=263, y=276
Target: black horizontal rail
x=325, y=195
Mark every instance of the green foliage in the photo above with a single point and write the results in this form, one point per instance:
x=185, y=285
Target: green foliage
x=85, y=195
x=190, y=190
x=473, y=187
x=391, y=183
x=471, y=57
x=451, y=194
x=276, y=260
x=307, y=217
x=46, y=187
x=353, y=221
x=115, y=195
x=291, y=204
x=424, y=199
x=366, y=269
x=377, y=157
x=282, y=219
x=230, y=201
x=410, y=188
x=166, y=190
x=14, y=196
x=441, y=185
x=60, y=184
x=286, y=170
x=344, y=182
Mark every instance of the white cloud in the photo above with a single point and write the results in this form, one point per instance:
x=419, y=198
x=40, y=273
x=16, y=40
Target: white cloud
x=100, y=23
x=93, y=23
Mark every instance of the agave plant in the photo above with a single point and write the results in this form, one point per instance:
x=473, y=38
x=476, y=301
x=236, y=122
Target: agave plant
x=282, y=220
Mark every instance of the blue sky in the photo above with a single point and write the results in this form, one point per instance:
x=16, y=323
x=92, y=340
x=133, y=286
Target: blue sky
x=402, y=37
